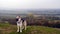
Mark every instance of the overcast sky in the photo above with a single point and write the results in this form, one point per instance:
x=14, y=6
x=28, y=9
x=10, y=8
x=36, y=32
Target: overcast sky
x=29, y=4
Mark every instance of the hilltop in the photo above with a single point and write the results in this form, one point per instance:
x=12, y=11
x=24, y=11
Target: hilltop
x=11, y=29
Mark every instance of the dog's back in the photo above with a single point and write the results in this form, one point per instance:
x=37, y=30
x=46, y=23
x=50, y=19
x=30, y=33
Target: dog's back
x=23, y=19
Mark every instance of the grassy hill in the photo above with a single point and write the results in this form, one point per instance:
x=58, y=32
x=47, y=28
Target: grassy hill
x=11, y=29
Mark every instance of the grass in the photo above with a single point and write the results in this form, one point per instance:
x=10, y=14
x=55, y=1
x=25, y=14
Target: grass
x=11, y=29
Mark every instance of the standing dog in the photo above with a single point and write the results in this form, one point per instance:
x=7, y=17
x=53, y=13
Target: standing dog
x=21, y=24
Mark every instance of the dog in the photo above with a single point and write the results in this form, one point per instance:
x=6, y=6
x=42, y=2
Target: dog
x=21, y=24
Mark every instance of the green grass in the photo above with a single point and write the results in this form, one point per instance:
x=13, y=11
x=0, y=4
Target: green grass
x=11, y=29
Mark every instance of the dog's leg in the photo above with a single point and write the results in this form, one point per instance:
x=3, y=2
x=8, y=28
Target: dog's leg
x=21, y=27
x=25, y=24
x=17, y=28
x=25, y=27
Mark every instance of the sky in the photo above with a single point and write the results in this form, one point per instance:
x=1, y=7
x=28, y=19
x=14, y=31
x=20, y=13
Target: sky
x=29, y=4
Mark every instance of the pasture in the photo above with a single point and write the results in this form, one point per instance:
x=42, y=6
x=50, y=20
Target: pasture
x=6, y=28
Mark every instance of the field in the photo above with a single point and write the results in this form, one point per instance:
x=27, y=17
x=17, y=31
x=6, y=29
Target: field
x=11, y=29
